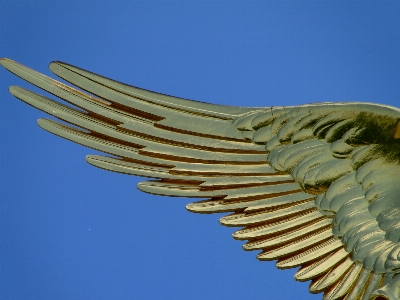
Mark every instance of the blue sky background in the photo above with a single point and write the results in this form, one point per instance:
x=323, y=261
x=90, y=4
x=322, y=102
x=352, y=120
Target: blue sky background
x=72, y=231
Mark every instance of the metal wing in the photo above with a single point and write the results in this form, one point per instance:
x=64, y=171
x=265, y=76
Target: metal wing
x=313, y=186
x=348, y=156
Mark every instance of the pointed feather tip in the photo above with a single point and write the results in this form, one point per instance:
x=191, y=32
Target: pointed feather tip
x=45, y=124
x=97, y=161
x=42, y=122
x=6, y=62
x=203, y=207
x=192, y=207
x=19, y=93
x=14, y=90
x=94, y=160
x=57, y=67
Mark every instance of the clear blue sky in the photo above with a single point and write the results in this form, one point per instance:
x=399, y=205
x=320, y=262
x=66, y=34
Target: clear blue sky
x=71, y=231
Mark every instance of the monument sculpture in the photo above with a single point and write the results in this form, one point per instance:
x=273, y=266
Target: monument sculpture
x=315, y=186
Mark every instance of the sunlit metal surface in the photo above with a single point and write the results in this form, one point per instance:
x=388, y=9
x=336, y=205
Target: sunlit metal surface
x=315, y=186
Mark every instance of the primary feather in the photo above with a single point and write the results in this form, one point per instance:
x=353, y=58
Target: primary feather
x=314, y=186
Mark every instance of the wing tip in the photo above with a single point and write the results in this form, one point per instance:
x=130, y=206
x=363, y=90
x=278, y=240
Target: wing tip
x=5, y=60
x=92, y=159
x=43, y=123
x=13, y=89
x=56, y=67
x=203, y=207
x=8, y=64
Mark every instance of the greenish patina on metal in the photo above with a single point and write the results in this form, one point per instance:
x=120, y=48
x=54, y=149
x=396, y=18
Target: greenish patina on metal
x=315, y=186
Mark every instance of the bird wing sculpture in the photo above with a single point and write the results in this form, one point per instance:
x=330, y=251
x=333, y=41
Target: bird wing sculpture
x=313, y=186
